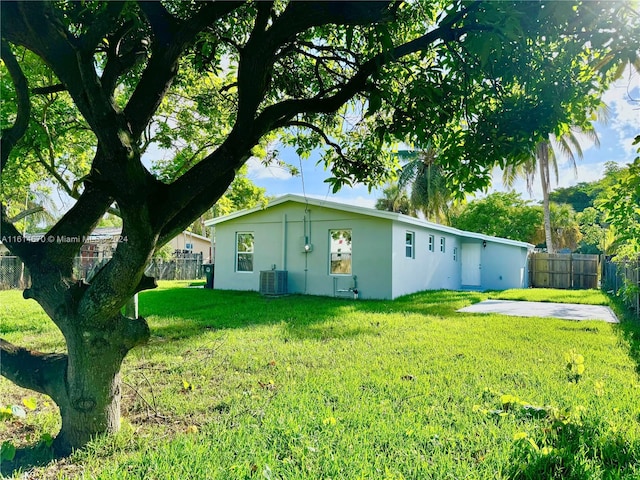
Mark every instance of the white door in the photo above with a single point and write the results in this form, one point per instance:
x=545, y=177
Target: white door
x=471, y=264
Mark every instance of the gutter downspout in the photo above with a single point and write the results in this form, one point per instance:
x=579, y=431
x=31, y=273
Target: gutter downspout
x=307, y=239
x=284, y=241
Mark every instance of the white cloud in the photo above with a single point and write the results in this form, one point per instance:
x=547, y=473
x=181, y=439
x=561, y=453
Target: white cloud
x=259, y=171
x=368, y=201
x=586, y=173
x=566, y=178
x=359, y=201
x=623, y=99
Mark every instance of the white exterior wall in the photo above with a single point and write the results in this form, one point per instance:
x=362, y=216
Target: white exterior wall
x=504, y=266
x=279, y=237
x=428, y=270
x=379, y=260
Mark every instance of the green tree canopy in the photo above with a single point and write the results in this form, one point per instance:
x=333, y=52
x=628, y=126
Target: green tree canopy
x=212, y=83
x=500, y=214
x=579, y=196
x=564, y=228
x=430, y=192
x=595, y=237
x=621, y=206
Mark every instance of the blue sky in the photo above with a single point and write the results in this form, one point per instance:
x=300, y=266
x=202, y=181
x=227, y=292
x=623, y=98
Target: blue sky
x=615, y=136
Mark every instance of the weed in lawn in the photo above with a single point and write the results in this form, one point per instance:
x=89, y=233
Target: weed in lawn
x=575, y=366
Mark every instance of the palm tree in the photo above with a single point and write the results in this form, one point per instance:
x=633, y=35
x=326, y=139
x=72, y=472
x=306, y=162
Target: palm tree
x=430, y=192
x=395, y=200
x=545, y=158
x=38, y=209
x=565, y=229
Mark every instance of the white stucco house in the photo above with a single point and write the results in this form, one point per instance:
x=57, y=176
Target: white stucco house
x=319, y=247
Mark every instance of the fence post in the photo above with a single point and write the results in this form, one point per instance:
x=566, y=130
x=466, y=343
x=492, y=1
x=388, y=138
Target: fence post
x=571, y=279
x=131, y=308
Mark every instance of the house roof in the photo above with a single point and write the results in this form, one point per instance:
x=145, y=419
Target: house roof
x=194, y=235
x=371, y=212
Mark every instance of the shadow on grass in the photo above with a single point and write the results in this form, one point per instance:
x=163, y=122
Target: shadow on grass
x=577, y=449
x=628, y=329
x=177, y=314
x=578, y=452
x=26, y=458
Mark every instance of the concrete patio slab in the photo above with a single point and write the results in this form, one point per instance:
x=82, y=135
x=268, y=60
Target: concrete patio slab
x=568, y=311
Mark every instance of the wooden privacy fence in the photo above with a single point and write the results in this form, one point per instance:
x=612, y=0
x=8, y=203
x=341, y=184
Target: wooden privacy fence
x=561, y=270
x=622, y=278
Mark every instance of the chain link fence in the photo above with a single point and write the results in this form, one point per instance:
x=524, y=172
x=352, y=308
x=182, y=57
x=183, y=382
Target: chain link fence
x=184, y=268
x=14, y=275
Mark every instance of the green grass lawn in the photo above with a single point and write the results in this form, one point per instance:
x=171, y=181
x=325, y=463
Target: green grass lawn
x=237, y=386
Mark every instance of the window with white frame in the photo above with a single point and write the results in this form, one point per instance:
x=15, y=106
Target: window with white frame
x=340, y=252
x=455, y=254
x=442, y=244
x=409, y=245
x=432, y=243
x=244, y=251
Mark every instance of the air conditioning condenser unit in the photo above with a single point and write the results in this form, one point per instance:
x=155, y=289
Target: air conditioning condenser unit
x=273, y=282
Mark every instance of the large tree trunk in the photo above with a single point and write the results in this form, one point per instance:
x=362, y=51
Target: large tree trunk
x=90, y=402
x=85, y=383
x=95, y=411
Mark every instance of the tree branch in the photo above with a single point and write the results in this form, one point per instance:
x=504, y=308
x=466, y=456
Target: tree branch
x=207, y=195
x=190, y=192
x=133, y=331
x=36, y=371
x=167, y=48
x=122, y=55
x=101, y=24
x=299, y=16
x=319, y=131
x=146, y=283
x=163, y=24
x=10, y=136
x=263, y=16
x=281, y=113
x=12, y=238
x=49, y=89
x=26, y=213
x=253, y=76
x=38, y=26
x=80, y=220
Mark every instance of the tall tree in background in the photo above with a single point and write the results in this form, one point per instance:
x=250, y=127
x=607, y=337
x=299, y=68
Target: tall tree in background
x=500, y=214
x=544, y=161
x=395, y=199
x=621, y=207
x=430, y=192
x=563, y=225
x=211, y=83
